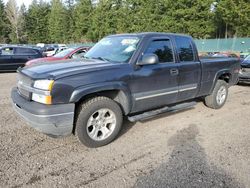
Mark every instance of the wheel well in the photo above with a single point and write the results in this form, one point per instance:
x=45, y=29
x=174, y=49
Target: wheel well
x=116, y=95
x=226, y=77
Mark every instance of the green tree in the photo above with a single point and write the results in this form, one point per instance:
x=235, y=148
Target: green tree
x=82, y=17
x=232, y=18
x=58, y=22
x=4, y=25
x=150, y=15
x=70, y=9
x=106, y=19
x=22, y=24
x=37, y=22
x=184, y=16
x=190, y=17
x=12, y=14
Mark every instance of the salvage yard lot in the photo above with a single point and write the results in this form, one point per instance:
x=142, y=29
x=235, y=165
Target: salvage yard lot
x=199, y=147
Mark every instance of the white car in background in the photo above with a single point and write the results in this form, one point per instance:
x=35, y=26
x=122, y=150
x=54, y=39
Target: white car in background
x=54, y=49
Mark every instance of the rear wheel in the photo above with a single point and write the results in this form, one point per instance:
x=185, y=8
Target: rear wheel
x=219, y=95
x=99, y=121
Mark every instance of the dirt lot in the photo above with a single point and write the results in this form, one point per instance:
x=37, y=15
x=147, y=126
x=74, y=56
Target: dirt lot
x=199, y=147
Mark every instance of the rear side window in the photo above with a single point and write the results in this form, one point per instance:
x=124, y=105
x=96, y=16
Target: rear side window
x=25, y=51
x=184, y=48
x=161, y=48
x=7, y=51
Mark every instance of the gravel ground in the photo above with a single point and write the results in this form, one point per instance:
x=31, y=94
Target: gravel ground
x=199, y=147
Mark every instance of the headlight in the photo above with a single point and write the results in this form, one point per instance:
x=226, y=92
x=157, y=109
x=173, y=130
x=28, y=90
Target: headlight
x=44, y=84
x=43, y=92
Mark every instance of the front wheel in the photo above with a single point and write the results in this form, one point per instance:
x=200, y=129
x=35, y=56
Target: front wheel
x=219, y=95
x=98, y=122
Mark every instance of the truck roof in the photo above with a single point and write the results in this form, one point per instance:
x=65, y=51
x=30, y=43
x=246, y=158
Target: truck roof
x=143, y=34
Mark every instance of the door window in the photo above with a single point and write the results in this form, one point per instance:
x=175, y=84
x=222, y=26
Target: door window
x=184, y=48
x=163, y=49
x=24, y=51
x=8, y=51
x=79, y=54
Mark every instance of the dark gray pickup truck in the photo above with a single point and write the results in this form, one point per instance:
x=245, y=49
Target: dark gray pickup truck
x=133, y=75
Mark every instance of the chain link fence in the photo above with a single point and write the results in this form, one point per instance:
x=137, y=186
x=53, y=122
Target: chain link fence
x=220, y=45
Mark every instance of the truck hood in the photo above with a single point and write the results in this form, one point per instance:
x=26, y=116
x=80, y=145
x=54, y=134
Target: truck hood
x=63, y=68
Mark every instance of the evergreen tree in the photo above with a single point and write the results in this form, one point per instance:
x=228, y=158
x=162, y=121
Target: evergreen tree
x=233, y=16
x=37, y=22
x=105, y=19
x=58, y=22
x=82, y=17
x=70, y=9
x=190, y=17
x=145, y=15
x=81, y=20
x=22, y=24
x=4, y=25
x=13, y=17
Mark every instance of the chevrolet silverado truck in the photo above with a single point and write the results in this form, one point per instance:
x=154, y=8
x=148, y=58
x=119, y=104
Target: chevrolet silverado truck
x=132, y=75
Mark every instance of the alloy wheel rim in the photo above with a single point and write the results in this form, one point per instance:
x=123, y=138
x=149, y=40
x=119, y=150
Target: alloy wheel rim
x=221, y=95
x=101, y=124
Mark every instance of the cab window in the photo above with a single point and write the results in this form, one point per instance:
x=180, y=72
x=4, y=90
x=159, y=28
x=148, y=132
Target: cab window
x=184, y=48
x=163, y=49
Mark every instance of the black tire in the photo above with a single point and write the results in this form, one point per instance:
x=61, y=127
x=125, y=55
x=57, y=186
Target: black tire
x=86, y=110
x=211, y=100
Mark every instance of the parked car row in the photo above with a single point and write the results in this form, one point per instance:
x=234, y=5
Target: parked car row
x=70, y=53
x=51, y=49
x=12, y=57
x=218, y=55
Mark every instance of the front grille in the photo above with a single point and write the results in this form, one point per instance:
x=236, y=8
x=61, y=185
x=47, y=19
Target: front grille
x=22, y=82
x=25, y=79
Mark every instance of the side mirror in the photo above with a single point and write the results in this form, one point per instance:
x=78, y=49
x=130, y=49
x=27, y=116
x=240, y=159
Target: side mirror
x=149, y=59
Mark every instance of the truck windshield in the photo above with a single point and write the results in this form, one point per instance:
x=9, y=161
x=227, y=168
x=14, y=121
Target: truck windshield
x=116, y=49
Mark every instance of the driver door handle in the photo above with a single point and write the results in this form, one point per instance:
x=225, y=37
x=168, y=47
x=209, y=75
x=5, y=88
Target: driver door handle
x=174, y=72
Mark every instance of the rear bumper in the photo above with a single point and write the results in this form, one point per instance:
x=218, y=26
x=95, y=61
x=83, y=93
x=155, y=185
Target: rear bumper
x=53, y=120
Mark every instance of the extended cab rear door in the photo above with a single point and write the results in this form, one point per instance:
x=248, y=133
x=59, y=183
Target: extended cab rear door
x=156, y=85
x=189, y=68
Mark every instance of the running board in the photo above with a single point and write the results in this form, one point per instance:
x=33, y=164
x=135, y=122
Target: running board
x=150, y=114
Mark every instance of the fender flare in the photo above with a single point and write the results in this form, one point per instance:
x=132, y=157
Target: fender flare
x=218, y=74
x=124, y=94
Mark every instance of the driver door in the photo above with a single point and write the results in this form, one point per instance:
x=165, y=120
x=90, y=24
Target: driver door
x=156, y=85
